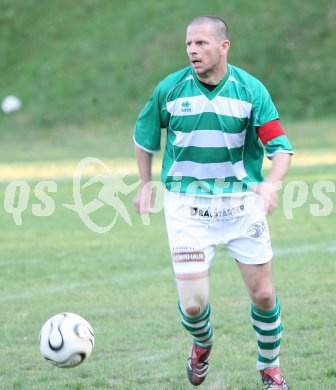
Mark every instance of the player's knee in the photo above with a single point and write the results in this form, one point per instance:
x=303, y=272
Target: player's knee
x=193, y=307
x=264, y=297
x=193, y=295
x=193, y=311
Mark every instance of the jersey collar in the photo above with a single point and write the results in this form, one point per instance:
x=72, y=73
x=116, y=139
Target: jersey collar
x=212, y=94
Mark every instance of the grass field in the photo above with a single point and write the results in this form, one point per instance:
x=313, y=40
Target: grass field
x=83, y=72
x=100, y=60
x=122, y=281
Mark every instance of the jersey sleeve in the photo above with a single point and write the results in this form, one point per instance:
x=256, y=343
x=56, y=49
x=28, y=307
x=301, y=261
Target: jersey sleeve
x=152, y=118
x=263, y=108
x=278, y=144
x=266, y=121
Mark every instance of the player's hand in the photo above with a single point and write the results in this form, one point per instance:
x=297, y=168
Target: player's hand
x=269, y=195
x=144, y=200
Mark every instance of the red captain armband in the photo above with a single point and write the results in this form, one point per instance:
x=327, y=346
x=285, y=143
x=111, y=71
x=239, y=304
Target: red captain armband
x=269, y=131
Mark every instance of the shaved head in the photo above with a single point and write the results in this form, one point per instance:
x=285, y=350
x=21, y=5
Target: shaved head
x=220, y=28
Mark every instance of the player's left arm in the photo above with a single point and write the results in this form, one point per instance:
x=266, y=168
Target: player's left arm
x=279, y=150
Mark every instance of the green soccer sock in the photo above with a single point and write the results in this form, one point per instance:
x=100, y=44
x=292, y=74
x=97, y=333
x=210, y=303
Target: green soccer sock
x=268, y=327
x=200, y=327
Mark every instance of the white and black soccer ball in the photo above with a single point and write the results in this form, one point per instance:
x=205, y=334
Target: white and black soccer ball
x=66, y=340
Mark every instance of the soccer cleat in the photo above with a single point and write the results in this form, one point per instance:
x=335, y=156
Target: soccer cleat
x=198, y=365
x=272, y=379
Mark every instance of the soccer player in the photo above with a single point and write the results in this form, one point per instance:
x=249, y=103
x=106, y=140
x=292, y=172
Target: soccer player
x=219, y=121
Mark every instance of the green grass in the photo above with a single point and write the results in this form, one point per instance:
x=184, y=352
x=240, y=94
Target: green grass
x=122, y=283
x=23, y=143
x=83, y=73
x=97, y=61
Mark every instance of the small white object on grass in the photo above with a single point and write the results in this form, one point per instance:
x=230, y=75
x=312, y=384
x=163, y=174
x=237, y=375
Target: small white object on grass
x=10, y=104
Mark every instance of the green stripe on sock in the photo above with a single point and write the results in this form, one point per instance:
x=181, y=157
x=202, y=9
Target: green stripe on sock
x=265, y=360
x=267, y=313
x=205, y=342
x=270, y=345
x=270, y=332
x=192, y=329
x=206, y=314
x=268, y=318
x=200, y=327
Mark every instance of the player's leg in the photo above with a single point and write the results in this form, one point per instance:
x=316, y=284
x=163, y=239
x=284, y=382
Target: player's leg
x=194, y=307
x=192, y=280
x=191, y=255
x=266, y=321
x=195, y=311
x=259, y=282
x=265, y=312
x=251, y=247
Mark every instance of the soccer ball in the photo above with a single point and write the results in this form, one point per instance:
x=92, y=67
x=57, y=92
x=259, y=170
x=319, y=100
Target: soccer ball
x=10, y=104
x=66, y=340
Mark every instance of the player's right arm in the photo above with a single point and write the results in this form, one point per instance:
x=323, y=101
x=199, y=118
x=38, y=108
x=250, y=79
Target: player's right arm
x=143, y=201
x=147, y=139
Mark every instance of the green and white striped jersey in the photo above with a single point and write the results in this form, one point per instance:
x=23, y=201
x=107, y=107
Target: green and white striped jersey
x=212, y=145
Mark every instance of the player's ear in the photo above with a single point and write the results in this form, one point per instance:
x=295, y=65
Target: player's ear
x=225, y=46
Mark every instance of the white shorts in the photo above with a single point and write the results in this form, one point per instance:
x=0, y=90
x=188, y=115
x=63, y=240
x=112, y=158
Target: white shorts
x=197, y=224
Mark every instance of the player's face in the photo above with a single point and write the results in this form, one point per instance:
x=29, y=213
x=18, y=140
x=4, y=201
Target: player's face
x=204, y=50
